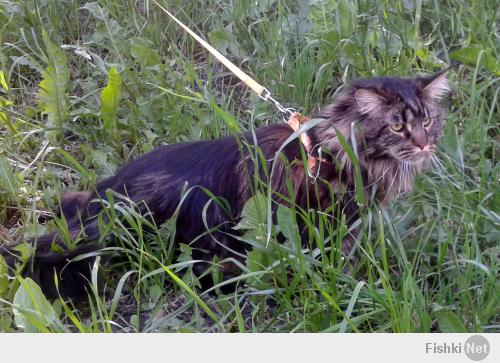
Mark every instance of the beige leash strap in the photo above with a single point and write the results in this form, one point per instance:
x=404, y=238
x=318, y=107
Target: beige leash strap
x=259, y=89
x=245, y=78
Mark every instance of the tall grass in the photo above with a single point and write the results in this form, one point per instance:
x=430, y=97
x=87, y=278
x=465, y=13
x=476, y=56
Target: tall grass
x=87, y=86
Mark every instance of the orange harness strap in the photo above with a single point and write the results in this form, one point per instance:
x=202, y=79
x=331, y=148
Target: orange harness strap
x=295, y=121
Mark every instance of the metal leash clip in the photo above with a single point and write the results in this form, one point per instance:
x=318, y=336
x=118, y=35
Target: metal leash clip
x=288, y=111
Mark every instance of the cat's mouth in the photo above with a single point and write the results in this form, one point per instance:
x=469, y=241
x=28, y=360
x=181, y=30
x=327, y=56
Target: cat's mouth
x=422, y=155
x=416, y=155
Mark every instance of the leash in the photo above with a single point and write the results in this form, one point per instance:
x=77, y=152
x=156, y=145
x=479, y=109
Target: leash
x=294, y=120
x=251, y=83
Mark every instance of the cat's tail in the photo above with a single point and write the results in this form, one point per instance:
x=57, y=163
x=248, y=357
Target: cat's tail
x=52, y=258
x=71, y=266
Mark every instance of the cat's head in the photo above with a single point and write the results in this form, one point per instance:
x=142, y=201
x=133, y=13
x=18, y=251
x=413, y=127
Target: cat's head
x=397, y=124
x=401, y=119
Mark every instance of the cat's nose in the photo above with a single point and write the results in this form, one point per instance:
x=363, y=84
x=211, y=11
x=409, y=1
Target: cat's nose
x=420, y=145
x=420, y=139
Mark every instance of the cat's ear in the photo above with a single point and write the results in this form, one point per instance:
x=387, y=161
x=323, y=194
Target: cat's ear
x=435, y=86
x=368, y=100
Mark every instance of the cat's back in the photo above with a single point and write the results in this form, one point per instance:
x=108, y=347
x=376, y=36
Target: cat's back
x=203, y=162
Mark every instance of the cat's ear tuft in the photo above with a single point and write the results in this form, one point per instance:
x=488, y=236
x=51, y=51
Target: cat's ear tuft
x=368, y=100
x=435, y=86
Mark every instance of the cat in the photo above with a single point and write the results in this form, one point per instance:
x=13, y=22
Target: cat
x=394, y=122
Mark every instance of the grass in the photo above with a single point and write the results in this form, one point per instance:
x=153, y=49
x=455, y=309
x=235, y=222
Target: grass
x=87, y=86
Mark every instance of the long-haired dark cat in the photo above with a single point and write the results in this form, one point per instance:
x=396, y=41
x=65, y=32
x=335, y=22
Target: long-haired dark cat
x=397, y=125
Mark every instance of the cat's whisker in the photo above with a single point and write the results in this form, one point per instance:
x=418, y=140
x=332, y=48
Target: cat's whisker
x=407, y=175
x=392, y=183
x=440, y=170
x=377, y=180
x=435, y=165
x=450, y=177
x=458, y=166
x=402, y=176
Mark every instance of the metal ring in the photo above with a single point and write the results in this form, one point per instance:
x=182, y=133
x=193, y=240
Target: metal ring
x=267, y=94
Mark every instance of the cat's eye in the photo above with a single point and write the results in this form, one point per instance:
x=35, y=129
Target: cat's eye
x=398, y=127
x=427, y=122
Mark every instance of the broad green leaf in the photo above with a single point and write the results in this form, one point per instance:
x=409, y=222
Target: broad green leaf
x=185, y=254
x=259, y=259
x=141, y=50
x=96, y=10
x=53, y=87
x=4, y=280
x=449, y=323
x=288, y=225
x=7, y=179
x=110, y=98
x=471, y=56
x=344, y=17
x=32, y=311
x=4, y=104
x=3, y=83
x=219, y=39
x=155, y=292
x=321, y=14
x=26, y=249
x=253, y=215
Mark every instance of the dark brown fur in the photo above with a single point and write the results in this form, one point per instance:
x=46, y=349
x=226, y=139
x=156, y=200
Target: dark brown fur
x=226, y=167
